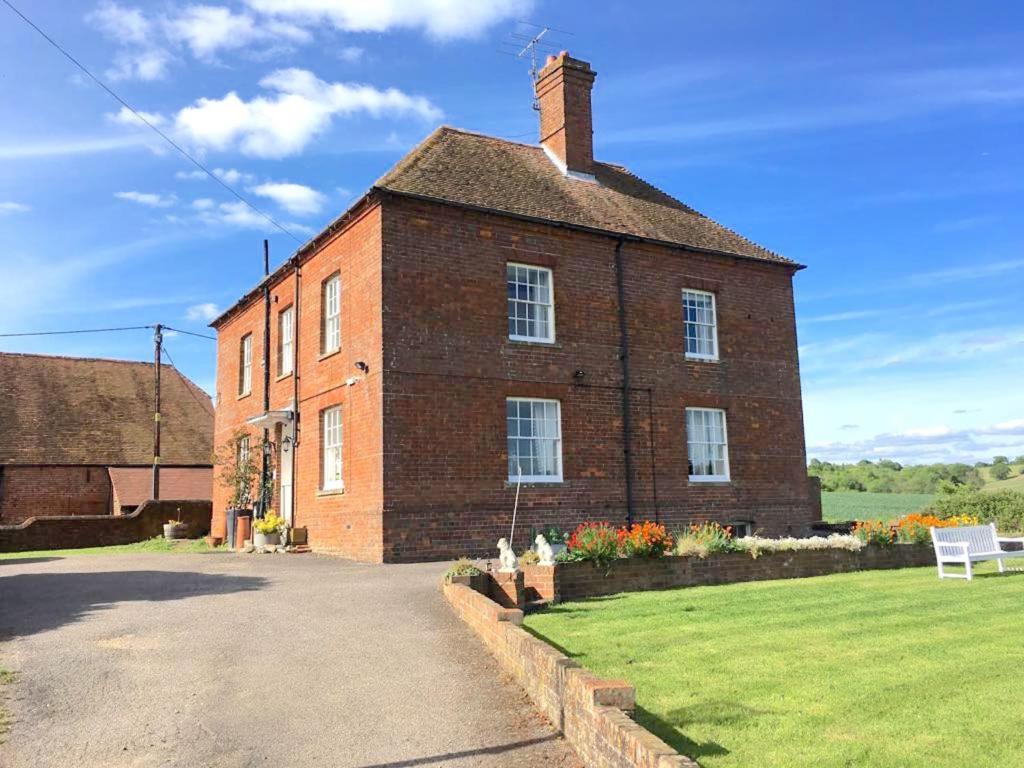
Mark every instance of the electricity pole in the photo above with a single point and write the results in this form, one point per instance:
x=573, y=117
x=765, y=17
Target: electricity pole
x=157, y=341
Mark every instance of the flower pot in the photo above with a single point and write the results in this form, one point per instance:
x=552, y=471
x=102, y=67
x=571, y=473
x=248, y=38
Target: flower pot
x=174, y=531
x=266, y=539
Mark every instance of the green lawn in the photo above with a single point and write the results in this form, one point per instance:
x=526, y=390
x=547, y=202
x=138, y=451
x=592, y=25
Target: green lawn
x=157, y=544
x=842, y=506
x=882, y=668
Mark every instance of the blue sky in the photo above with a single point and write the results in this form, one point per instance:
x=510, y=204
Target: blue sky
x=878, y=143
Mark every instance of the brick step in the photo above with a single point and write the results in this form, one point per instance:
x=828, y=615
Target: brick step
x=535, y=605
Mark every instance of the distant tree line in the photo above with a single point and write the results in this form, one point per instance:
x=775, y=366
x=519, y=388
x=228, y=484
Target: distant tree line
x=888, y=476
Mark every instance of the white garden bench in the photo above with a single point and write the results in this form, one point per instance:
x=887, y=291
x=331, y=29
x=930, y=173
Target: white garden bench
x=968, y=544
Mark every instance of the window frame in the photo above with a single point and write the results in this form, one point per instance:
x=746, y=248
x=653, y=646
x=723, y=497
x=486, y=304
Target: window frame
x=245, y=365
x=714, y=356
x=325, y=483
x=723, y=478
x=550, y=338
x=281, y=326
x=748, y=524
x=559, y=477
x=325, y=348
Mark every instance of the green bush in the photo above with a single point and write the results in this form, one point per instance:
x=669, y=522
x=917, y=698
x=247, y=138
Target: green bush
x=462, y=567
x=704, y=539
x=1004, y=508
x=596, y=542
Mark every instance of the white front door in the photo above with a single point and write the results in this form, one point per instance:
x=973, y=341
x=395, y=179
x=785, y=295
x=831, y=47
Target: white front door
x=286, y=457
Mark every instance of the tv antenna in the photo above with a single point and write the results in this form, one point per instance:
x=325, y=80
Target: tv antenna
x=532, y=44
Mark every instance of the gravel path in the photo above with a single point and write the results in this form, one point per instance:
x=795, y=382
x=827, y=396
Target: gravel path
x=225, y=661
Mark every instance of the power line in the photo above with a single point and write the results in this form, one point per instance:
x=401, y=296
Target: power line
x=156, y=130
x=82, y=330
x=190, y=333
x=174, y=365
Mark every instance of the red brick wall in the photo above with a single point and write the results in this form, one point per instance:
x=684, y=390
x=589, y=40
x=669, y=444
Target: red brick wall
x=594, y=714
x=348, y=522
x=77, y=531
x=450, y=366
x=47, y=491
x=576, y=581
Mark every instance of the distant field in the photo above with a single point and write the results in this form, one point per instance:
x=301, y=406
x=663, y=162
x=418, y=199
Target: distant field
x=1015, y=482
x=838, y=507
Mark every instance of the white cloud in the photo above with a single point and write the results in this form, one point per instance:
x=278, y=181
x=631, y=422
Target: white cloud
x=140, y=57
x=350, y=54
x=237, y=214
x=202, y=204
x=231, y=176
x=126, y=25
x=301, y=107
x=207, y=29
x=206, y=312
x=442, y=19
x=190, y=175
x=126, y=117
x=297, y=199
x=145, y=65
x=151, y=199
x=10, y=207
x=73, y=146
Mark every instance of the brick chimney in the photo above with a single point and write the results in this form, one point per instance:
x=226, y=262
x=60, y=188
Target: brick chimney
x=566, y=127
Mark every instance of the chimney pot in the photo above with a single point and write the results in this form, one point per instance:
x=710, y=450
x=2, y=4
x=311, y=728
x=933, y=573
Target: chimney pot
x=566, y=124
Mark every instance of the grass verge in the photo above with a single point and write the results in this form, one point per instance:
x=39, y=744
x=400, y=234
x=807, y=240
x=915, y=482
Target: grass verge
x=881, y=668
x=158, y=544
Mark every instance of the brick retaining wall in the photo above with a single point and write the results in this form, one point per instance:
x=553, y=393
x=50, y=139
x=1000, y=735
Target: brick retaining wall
x=575, y=581
x=592, y=713
x=76, y=531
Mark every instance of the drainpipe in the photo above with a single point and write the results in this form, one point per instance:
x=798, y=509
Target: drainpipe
x=624, y=358
x=265, y=475
x=295, y=386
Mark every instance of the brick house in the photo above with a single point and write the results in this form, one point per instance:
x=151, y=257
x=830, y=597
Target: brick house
x=489, y=307
x=78, y=436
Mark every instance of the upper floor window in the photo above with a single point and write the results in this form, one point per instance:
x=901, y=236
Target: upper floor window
x=707, y=445
x=330, y=310
x=245, y=365
x=242, y=451
x=531, y=308
x=286, y=341
x=700, y=325
x=330, y=439
x=534, y=439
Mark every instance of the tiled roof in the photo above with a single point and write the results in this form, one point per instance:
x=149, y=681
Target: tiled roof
x=485, y=172
x=134, y=485
x=72, y=410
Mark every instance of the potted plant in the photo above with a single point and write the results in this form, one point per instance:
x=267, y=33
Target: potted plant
x=557, y=539
x=267, y=530
x=175, y=529
x=237, y=473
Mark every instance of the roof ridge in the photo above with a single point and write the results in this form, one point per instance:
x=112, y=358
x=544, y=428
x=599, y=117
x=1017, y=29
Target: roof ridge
x=83, y=359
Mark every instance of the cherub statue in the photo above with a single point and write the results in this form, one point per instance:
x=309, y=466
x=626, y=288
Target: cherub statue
x=544, y=551
x=508, y=559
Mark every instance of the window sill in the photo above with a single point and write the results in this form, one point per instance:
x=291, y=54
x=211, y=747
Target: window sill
x=326, y=355
x=284, y=376
x=700, y=359
x=330, y=492
x=699, y=480
x=245, y=395
x=534, y=342
x=535, y=483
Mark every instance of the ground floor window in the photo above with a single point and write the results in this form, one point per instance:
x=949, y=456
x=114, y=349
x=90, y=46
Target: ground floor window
x=742, y=529
x=534, y=440
x=707, y=445
x=330, y=439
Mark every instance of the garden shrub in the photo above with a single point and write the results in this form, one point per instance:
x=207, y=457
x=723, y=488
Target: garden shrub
x=644, y=540
x=462, y=567
x=704, y=539
x=914, y=528
x=874, y=532
x=1004, y=508
x=757, y=545
x=596, y=542
x=529, y=557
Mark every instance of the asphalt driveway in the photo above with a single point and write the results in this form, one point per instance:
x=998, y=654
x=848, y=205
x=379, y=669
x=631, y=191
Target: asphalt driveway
x=224, y=661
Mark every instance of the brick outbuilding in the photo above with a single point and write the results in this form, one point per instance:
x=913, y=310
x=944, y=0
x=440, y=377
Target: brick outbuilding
x=491, y=314
x=76, y=436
